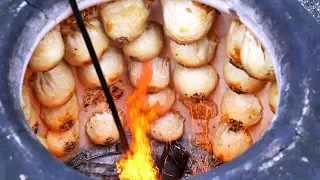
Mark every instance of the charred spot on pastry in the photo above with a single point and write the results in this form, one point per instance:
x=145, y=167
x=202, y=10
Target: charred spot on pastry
x=35, y=128
x=235, y=125
x=33, y=77
x=67, y=125
x=235, y=63
x=109, y=140
x=197, y=96
x=69, y=146
x=117, y=90
x=237, y=90
x=232, y=129
x=272, y=109
x=122, y=40
x=134, y=58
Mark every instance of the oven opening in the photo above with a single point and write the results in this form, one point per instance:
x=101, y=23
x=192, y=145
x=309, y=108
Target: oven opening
x=193, y=86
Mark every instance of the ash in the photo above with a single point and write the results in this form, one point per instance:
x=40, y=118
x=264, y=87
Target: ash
x=100, y=163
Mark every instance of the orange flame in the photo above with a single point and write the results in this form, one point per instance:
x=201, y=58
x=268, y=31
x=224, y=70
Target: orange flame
x=137, y=163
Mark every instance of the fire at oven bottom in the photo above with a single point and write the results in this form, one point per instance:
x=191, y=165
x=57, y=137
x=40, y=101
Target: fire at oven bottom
x=174, y=160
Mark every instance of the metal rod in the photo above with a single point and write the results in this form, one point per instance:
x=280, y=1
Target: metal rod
x=97, y=67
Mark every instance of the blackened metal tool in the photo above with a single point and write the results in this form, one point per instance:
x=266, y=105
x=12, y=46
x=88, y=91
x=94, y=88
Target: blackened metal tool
x=97, y=67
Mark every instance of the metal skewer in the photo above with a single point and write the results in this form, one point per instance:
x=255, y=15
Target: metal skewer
x=97, y=67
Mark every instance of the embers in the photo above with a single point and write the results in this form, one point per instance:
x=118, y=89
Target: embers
x=97, y=163
x=173, y=161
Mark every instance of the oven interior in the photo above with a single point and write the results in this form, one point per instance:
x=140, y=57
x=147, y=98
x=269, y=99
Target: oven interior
x=208, y=137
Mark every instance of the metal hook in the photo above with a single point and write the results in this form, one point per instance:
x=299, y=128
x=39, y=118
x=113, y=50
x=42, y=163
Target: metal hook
x=84, y=32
